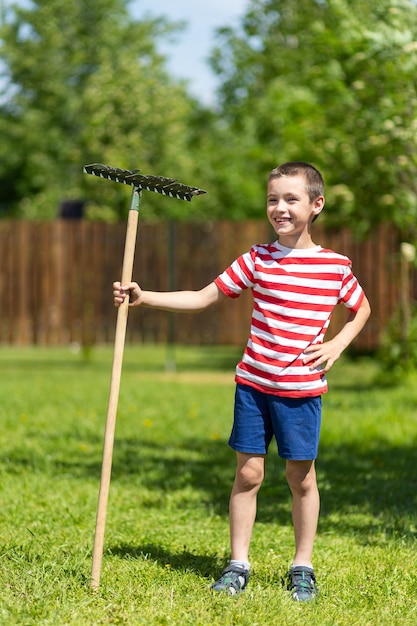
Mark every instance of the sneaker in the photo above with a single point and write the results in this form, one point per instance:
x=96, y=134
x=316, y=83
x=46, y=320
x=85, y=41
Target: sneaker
x=232, y=580
x=302, y=583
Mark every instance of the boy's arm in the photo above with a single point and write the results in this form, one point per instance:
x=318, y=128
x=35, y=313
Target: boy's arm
x=328, y=352
x=177, y=301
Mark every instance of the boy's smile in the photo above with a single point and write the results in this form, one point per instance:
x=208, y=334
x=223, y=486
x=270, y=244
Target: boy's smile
x=290, y=210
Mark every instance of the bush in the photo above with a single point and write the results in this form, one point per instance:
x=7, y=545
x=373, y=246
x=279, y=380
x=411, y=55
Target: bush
x=398, y=349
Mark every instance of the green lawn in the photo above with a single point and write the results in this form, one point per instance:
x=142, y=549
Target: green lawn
x=167, y=524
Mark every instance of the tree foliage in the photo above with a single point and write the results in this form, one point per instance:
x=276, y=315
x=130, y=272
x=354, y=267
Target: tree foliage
x=332, y=82
x=84, y=83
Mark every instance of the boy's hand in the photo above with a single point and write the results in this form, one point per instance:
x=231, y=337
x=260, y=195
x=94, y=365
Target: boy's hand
x=323, y=354
x=326, y=354
x=120, y=292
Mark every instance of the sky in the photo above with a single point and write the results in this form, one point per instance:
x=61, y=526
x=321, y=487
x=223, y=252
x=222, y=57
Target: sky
x=186, y=58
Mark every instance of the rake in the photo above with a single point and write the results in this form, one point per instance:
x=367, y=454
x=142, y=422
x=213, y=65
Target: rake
x=140, y=182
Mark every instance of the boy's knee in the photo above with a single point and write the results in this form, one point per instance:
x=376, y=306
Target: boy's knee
x=301, y=476
x=250, y=475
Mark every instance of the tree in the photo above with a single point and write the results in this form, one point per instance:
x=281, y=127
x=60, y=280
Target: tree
x=332, y=82
x=83, y=83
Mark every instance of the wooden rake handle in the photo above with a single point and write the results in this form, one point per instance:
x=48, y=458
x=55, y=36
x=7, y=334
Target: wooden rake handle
x=119, y=343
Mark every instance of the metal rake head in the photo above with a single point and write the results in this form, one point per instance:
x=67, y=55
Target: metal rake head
x=166, y=186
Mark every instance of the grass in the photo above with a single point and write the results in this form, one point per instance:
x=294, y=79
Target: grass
x=167, y=524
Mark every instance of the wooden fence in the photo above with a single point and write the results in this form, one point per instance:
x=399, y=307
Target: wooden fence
x=56, y=278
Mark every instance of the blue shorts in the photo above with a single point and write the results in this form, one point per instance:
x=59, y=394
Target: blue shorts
x=258, y=416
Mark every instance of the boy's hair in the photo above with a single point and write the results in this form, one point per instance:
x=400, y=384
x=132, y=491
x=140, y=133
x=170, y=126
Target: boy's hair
x=313, y=178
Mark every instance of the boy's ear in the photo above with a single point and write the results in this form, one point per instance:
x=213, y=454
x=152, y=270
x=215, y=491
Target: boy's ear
x=318, y=205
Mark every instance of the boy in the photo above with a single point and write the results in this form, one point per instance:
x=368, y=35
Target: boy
x=281, y=377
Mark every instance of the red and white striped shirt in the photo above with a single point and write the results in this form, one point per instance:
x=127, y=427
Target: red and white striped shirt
x=294, y=292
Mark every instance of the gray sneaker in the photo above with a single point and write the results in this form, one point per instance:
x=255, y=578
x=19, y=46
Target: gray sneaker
x=233, y=580
x=302, y=583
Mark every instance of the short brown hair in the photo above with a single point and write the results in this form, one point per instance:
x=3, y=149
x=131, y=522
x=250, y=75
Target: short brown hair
x=313, y=178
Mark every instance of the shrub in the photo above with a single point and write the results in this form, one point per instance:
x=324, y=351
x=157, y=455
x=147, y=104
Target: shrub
x=398, y=348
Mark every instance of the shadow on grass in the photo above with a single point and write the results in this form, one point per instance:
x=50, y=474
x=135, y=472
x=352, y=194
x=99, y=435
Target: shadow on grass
x=368, y=495
x=367, y=489
x=375, y=482
x=184, y=561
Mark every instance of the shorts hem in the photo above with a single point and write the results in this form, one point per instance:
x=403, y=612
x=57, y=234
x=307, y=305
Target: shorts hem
x=298, y=458
x=246, y=451
x=287, y=457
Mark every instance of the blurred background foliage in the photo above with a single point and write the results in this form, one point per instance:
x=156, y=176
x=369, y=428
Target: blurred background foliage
x=332, y=82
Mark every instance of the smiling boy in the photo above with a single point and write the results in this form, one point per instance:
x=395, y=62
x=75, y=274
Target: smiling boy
x=279, y=382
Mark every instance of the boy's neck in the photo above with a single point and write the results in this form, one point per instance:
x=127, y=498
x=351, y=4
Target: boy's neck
x=299, y=243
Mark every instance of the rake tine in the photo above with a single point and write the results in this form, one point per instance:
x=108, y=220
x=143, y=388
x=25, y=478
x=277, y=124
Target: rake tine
x=159, y=184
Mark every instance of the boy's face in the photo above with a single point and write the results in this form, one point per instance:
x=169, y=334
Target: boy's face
x=290, y=210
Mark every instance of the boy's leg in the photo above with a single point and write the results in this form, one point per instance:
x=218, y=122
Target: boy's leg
x=301, y=477
x=249, y=476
